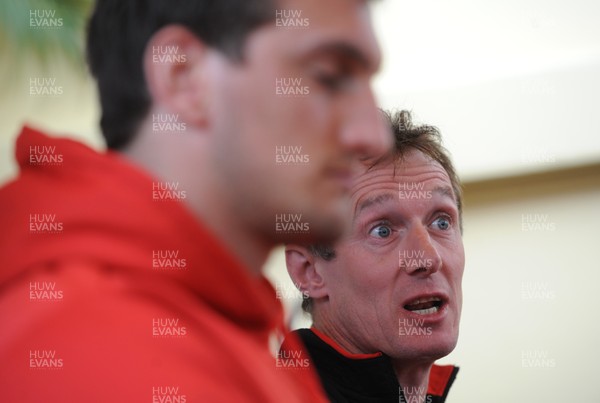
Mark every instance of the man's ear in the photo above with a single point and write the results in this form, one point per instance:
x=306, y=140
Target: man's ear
x=175, y=71
x=302, y=268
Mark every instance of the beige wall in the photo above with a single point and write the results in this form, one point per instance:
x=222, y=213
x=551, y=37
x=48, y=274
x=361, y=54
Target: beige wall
x=531, y=293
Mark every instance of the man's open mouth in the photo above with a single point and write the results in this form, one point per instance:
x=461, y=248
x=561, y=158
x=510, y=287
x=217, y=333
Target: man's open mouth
x=425, y=306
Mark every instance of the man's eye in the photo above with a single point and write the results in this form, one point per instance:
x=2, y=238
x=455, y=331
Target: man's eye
x=334, y=82
x=442, y=223
x=381, y=231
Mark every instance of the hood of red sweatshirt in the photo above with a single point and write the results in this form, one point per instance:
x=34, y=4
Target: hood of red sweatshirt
x=70, y=201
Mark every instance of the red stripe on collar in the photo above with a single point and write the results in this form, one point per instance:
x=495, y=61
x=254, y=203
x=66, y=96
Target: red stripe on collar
x=329, y=341
x=439, y=377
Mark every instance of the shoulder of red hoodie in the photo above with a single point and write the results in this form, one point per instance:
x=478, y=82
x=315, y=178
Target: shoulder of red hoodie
x=88, y=316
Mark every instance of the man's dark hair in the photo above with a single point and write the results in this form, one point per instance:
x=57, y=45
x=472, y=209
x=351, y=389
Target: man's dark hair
x=119, y=31
x=407, y=137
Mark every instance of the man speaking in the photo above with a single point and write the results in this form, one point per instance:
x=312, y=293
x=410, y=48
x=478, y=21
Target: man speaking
x=386, y=298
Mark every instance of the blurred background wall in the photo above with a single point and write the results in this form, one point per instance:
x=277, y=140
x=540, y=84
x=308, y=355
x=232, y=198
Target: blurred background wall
x=514, y=88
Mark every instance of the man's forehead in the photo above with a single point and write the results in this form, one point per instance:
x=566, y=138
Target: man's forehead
x=382, y=183
x=388, y=196
x=414, y=166
x=336, y=27
x=316, y=4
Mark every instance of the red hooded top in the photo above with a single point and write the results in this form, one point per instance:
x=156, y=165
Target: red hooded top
x=110, y=293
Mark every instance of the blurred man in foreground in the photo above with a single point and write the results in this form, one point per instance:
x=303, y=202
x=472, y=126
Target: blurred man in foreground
x=135, y=274
x=386, y=298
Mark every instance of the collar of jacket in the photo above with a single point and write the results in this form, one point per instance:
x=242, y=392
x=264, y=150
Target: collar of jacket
x=348, y=377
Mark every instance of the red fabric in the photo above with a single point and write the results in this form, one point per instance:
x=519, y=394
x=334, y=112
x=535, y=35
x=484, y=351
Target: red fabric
x=439, y=377
x=103, y=328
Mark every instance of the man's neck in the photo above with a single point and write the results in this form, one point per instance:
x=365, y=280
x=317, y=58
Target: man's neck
x=413, y=380
x=181, y=160
x=327, y=326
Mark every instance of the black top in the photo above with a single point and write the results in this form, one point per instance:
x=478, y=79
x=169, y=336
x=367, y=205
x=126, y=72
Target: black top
x=364, y=378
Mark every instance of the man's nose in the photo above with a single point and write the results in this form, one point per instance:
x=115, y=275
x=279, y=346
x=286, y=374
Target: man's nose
x=364, y=129
x=421, y=255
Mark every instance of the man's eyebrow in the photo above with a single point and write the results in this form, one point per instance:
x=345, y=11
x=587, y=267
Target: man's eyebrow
x=346, y=51
x=376, y=200
x=446, y=191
